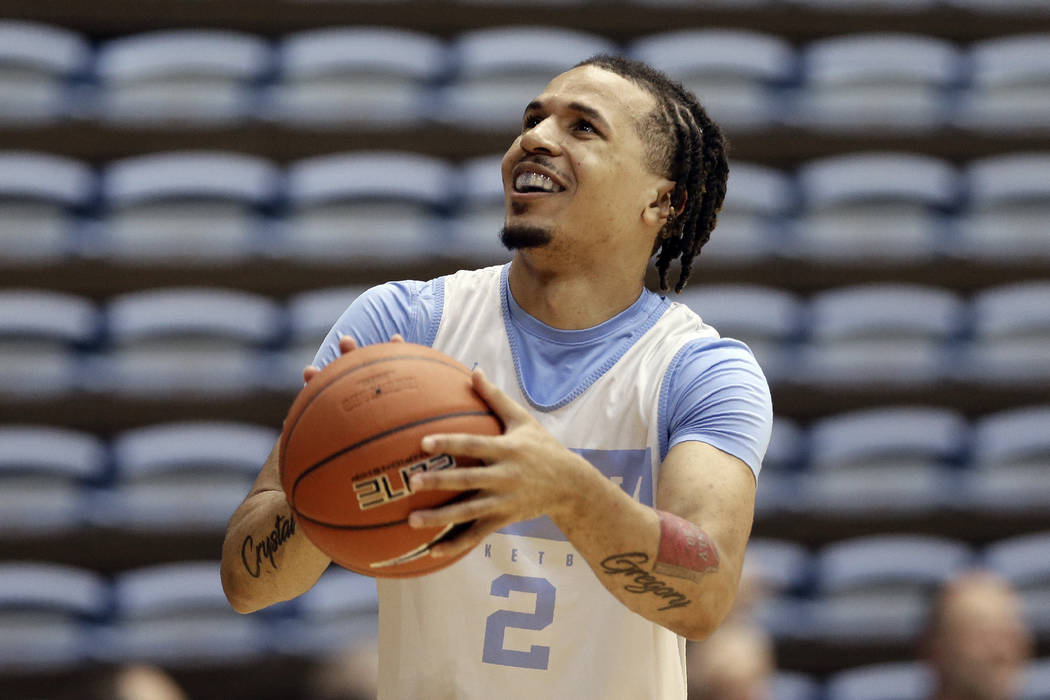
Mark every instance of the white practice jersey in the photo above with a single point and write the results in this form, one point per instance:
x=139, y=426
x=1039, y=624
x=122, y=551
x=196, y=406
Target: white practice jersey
x=523, y=615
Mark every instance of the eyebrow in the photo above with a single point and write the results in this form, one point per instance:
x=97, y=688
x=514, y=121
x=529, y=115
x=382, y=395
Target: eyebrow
x=583, y=109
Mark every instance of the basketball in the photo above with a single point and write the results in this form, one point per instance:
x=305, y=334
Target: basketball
x=351, y=442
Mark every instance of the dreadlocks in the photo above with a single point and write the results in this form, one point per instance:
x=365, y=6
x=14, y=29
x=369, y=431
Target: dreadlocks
x=686, y=146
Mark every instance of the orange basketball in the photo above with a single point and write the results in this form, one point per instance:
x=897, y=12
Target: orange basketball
x=352, y=440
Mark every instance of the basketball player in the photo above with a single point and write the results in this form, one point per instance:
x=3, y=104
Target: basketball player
x=611, y=519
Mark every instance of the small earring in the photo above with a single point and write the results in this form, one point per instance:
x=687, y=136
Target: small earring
x=670, y=217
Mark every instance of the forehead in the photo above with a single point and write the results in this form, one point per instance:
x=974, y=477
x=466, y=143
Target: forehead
x=617, y=99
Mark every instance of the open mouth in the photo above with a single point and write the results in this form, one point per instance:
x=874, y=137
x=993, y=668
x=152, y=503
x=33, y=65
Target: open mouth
x=529, y=182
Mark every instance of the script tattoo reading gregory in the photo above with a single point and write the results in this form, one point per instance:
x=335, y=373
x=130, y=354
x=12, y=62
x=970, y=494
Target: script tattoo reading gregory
x=630, y=565
x=252, y=554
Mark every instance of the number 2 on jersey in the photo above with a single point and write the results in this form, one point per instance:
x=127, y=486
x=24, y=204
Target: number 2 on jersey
x=497, y=623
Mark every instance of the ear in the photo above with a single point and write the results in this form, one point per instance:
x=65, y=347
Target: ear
x=657, y=212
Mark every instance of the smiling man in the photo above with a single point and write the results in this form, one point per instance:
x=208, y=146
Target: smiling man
x=611, y=518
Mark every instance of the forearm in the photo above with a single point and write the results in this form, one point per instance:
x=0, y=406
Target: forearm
x=642, y=562
x=265, y=557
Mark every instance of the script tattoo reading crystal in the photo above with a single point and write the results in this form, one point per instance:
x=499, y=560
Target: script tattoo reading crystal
x=685, y=550
x=252, y=554
x=629, y=564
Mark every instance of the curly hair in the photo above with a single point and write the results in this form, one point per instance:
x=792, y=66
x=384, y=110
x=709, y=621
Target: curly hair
x=686, y=146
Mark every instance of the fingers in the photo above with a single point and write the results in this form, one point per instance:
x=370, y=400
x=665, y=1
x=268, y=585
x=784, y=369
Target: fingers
x=396, y=338
x=504, y=406
x=347, y=344
x=309, y=372
x=458, y=479
x=467, y=540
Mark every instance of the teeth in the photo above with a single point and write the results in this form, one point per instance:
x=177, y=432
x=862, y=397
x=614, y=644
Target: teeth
x=529, y=181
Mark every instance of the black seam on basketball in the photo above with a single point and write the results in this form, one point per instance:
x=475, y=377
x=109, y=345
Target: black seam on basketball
x=389, y=358
x=462, y=496
x=378, y=436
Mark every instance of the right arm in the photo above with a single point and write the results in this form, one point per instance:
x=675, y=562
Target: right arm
x=265, y=557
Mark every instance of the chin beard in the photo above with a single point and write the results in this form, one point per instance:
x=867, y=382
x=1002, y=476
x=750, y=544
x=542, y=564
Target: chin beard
x=519, y=236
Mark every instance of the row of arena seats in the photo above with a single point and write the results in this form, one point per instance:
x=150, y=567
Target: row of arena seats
x=390, y=78
x=868, y=590
x=180, y=477
x=207, y=208
x=198, y=341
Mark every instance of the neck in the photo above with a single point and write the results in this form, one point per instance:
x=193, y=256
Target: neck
x=571, y=299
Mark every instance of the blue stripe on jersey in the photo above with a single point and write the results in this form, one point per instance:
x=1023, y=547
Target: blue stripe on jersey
x=631, y=469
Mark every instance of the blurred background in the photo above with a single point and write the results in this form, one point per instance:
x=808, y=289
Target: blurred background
x=192, y=191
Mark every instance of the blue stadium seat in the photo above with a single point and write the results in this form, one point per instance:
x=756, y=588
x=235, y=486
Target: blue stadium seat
x=182, y=477
x=751, y=226
x=1009, y=86
x=1009, y=468
x=767, y=319
x=366, y=207
x=180, y=77
x=480, y=213
x=41, y=198
x=890, y=460
x=783, y=571
x=1037, y=680
x=368, y=77
x=876, y=589
x=1007, y=207
x=778, y=482
x=41, y=334
x=177, y=616
x=878, y=81
x=185, y=209
x=341, y=610
x=1010, y=345
x=898, y=680
x=186, y=341
x=311, y=314
x=1024, y=561
x=47, y=612
x=37, y=64
x=499, y=70
x=874, y=207
x=884, y=334
x=793, y=685
x=45, y=476
x=738, y=75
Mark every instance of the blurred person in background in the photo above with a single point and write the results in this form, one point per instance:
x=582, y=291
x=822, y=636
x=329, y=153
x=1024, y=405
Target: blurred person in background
x=737, y=662
x=977, y=642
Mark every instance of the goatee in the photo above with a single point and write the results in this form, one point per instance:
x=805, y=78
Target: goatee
x=518, y=236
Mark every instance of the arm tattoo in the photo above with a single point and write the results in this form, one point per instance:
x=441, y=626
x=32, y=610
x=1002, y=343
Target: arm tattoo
x=629, y=564
x=685, y=550
x=252, y=554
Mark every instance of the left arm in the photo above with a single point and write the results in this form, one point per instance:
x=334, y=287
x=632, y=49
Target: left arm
x=677, y=564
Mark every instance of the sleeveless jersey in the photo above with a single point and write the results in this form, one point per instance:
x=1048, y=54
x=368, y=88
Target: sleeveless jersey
x=523, y=615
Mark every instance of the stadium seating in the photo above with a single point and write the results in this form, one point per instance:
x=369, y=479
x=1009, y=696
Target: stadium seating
x=740, y=74
x=362, y=208
x=752, y=225
x=176, y=615
x=185, y=209
x=879, y=81
x=311, y=314
x=182, y=477
x=41, y=332
x=498, y=70
x=1007, y=205
x=893, y=459
x=1009, y=85
x=38, y=63
x=340, y=610
x=47, y=612
x=874, y=208
x=1010, y=343
x=185, y=341
x=183, y=77
x=41, y=199
x=368, y=77
x=45, y=476
x=905, y=680
x=875, y=589
x=1008, y=464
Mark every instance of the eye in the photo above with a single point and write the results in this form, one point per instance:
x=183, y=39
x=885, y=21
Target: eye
x=531, y=120
x=585, y=126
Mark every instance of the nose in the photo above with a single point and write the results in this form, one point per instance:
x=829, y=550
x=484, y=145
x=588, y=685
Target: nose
x=542, y=138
